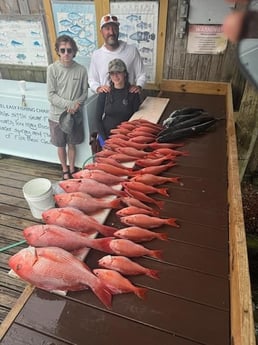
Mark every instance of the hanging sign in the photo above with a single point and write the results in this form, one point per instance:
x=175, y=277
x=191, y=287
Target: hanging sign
x=206, y=39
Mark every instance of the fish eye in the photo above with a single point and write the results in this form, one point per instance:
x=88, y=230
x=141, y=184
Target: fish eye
x=18, y=267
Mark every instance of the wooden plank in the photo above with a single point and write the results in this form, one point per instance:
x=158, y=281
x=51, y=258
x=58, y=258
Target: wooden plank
x=247, y=129
x=15, y=310
x=50, y=27
x=151, y=109
x=190, y=86
x=162, y=23
x=242, y=323
x=101, y=8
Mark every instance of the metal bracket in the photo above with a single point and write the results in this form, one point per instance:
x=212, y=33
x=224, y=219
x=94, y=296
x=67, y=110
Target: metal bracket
x=183, y=14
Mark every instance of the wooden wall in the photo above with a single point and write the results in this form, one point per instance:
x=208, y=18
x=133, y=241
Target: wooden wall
x=177, y=64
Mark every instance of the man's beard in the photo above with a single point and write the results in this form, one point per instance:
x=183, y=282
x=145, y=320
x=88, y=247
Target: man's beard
x=112, y=40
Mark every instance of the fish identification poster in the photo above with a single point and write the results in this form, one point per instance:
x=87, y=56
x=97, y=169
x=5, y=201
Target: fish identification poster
x=78, y=20
x=22, y=42
x=139, y=26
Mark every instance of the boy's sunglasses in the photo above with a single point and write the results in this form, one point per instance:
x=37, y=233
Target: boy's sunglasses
x=107, y=18
x=68, y=50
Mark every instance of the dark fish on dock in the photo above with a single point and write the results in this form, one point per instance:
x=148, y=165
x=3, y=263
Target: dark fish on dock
x=186, y=132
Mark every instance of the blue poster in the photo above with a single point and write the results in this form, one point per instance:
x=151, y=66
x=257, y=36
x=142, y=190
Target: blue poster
x=78, y=20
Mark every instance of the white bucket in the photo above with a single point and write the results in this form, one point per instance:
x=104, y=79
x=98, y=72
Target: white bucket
x=39, y=196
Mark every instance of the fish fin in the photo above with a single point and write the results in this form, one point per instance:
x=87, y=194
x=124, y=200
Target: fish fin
x=172, y=222
x=104, y=295
x=141, y=292
x=163, y=191
x=156, y=254
x=116, y=203
x=185, y=153
x=152, y=273
x=174, y=179
x=163, y=236
x=160, y=204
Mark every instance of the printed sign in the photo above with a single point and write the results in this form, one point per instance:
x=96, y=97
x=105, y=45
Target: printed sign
x=206, y=39
x=77, y=19
x=139, y=26
x=22, y=42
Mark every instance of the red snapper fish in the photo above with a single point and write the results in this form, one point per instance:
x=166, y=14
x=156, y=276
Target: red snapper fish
x=126, y=266
x=143, y=197
x=128, y=248
x=127, y=211
x=131, y=151
x=156, y=145
x=117, y=284
x=99, y=176
x=153, y=180
x=148, y=222
x=150, y=162
x=54, y=268
x=57, y=236
x=84, y=202
x=137, y=234
x=90, y=186
x=76, y=220
x=142, y=187
x=155, y=170
x=167, y=151
x=104, y=153
x=111, y=169
x=122, y=157
x=49, y=235
x=130, y=201
x=142, y=139
x=109, y=160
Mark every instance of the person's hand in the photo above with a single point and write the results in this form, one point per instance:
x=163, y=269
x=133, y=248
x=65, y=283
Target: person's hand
x=72, y=110
x=135, y=89
x=232, y=25
x=103, y=89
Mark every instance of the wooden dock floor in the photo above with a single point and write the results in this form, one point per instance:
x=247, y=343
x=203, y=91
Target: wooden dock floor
x=15, y=215
x=188, y=305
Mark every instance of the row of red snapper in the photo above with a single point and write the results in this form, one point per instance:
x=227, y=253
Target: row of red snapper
x=50, y=262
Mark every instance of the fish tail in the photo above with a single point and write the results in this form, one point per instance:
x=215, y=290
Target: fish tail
x=103, y=295
x=160, y=204
x=116, y=203
x=163, y=191
x=172, y=222
x=174, y=179
x=156, y=254
x=141, y=292
x=152, y=273
x=184, y=153
x=163, y=236
x=155, y=213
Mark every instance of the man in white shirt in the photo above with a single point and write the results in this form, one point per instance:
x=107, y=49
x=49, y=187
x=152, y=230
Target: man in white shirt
x=111, y=49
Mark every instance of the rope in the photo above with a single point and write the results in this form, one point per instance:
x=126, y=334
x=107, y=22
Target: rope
x=12, y=245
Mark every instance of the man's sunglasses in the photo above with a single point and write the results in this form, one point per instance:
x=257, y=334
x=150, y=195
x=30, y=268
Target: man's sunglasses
x=68, y=50
x=108, y=18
